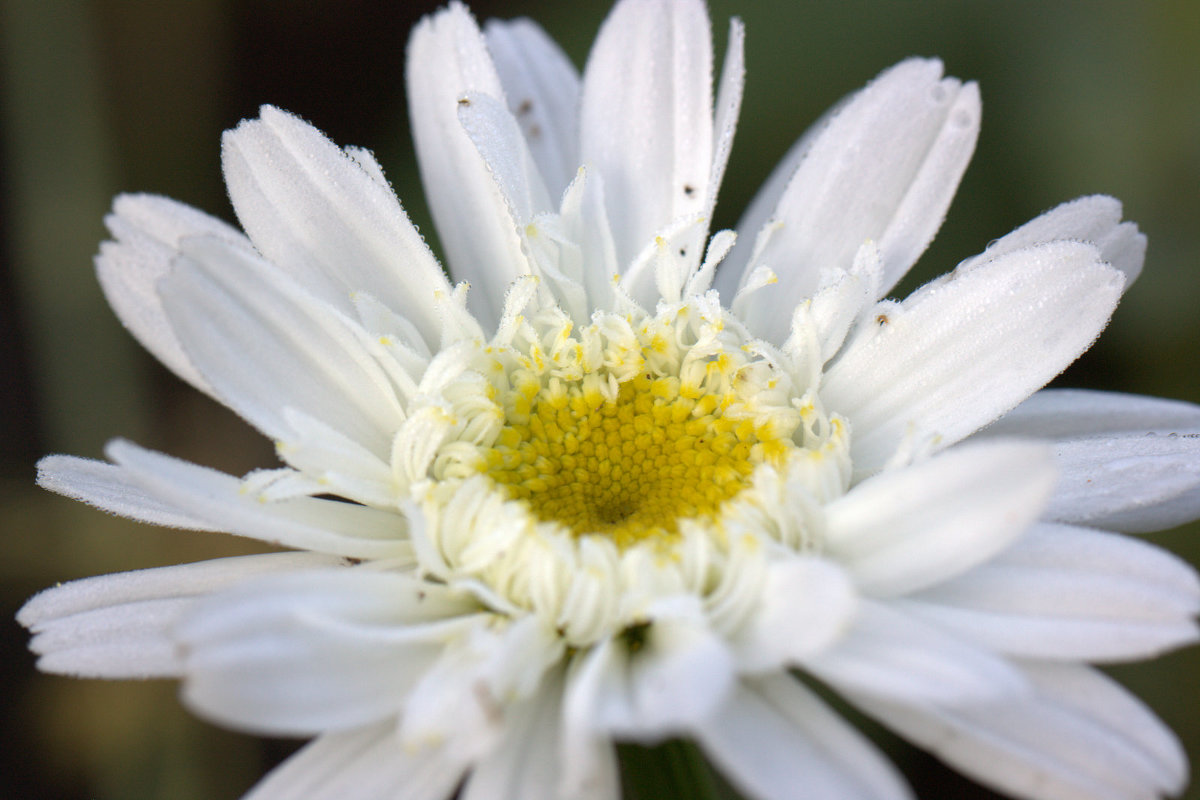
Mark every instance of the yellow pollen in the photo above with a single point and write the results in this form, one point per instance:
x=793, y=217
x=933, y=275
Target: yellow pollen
x=630, y=467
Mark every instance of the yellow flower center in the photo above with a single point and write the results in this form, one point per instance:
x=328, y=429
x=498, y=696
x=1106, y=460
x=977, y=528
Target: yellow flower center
x=633, y=466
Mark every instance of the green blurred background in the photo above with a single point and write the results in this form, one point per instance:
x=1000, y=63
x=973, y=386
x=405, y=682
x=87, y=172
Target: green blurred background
x=101, y=97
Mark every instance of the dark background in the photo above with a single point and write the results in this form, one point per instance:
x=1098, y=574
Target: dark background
x=100, y=97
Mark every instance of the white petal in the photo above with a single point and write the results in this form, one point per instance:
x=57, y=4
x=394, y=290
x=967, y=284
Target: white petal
x=1060, y=613
x=1054, y=546
x=700, y=281
x=1071, y=593
x=543, y=94
x=527, y=763
x=1075, y=413
x=1129, y=462
x=366, y=159
x=1132, y=482
x=891, y=655
x=495, y=133
x=316, y=651
x=365, y=763
x=1095, y=219
x=121, y=625
x=552, y=255
x=1059, y=638
x=1153, y=582
x=775, y=740
x=129, y=641
x=1093, y=694
x=683, y=670
x=448, y=59
x=603, y=782
x=585, y=221
x=590, y=767
x=906, y=529
x=662, y=268
x=464, y=699
x=183, y=580
x=761, y=210
x=677, y=676
x=315, y=212
x=108, y=488
x=1077, y=737
x=839, y=304
x=339, y=465
x=218, y=501
x=728, y=106
x=966, y=348
x=1013, y=767
x=264, y=344
x=406, y=343
x=806, y=605
x=147, y=231
x=648, y=130
x=885, y=168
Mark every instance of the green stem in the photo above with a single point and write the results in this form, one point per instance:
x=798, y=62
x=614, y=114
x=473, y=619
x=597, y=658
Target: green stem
x=669, y=771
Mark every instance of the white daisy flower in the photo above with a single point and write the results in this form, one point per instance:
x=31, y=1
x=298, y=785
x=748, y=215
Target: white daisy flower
x=630, y=481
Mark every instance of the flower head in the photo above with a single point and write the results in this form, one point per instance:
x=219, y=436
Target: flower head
x=629, y=479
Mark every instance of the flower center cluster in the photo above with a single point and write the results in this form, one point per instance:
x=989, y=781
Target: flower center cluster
x=625, y=430
x=629, y=467
x=581, y=471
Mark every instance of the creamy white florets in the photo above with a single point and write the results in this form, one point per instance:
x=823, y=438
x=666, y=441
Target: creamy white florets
x=585, y=472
